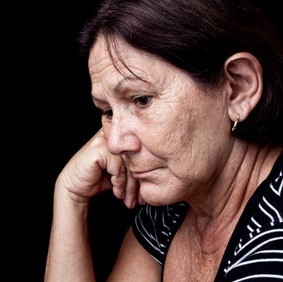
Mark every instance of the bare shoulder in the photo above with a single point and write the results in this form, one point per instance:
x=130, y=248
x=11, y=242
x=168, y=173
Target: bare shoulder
x=134, y=263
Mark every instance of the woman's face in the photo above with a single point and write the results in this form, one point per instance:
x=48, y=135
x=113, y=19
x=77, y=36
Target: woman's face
x=172, y=133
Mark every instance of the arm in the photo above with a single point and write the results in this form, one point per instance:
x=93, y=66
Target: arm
x=134, y=263
x=69, y=257
x=90, y=171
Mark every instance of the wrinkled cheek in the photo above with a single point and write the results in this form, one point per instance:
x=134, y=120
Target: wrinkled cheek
x=178, y=142
x=168, y=141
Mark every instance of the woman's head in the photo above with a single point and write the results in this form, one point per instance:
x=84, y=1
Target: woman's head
x=156, y=117
x=198, y=36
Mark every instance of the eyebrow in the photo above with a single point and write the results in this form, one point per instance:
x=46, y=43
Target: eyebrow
x=131, y=77
x=96, y=100
x=119, y=85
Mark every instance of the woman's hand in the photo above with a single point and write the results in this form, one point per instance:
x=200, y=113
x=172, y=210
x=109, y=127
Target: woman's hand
x=94, y=169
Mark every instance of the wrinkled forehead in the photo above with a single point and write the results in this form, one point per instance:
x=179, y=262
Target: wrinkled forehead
x=117, y=53
x=112, y=60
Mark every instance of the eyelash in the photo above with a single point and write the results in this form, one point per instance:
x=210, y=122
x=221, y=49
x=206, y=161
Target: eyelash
x=108, y=113
x=138, y=101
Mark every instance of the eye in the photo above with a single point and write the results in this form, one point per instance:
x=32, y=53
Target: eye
x=142, y=101
x=108, y=113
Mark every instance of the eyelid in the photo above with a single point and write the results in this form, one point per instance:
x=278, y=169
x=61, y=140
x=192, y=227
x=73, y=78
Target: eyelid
x=107, y=114
x=141, y=96
x=102, y=107
x=104, y=111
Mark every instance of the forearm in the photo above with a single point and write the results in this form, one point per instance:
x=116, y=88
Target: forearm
x=69, y=255
x=91, y=171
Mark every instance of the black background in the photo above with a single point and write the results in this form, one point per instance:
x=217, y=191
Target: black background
x=48, y=115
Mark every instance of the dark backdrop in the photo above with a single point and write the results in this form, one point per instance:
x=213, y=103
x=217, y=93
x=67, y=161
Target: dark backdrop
x=51, y=116
x=47, y=115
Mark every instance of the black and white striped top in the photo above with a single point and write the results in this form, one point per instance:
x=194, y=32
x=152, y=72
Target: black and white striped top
x=255, y=250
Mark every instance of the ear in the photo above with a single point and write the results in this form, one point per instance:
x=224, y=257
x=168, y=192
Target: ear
x=243, y=72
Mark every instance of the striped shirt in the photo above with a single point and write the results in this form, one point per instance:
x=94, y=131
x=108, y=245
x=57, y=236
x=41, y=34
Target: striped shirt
x=255, y=249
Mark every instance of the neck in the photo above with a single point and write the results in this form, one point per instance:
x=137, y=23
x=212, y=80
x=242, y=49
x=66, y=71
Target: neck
x=223, y=201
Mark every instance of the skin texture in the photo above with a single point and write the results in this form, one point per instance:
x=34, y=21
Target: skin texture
x=161, y=125
x=164, y=139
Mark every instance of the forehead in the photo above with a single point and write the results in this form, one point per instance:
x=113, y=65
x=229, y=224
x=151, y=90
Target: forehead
x=116, y=56
x=115, y=66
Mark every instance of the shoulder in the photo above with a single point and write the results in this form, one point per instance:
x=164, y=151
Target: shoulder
x=256, y=247
x=259, y=256
x=155, y=227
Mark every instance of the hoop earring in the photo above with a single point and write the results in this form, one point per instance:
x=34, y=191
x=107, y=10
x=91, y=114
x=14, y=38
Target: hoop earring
x=234, y=127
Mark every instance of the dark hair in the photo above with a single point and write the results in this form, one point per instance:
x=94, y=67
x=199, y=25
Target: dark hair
x=198, y=36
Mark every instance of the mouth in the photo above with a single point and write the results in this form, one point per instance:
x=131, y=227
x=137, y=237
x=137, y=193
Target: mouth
x=143, y=174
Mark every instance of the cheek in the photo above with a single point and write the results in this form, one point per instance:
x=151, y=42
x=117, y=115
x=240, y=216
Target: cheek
x=171, y=136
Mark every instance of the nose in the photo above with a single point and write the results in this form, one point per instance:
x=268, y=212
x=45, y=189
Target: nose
x=122, y=137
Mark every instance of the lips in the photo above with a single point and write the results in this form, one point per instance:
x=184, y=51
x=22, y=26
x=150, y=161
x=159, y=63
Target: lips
x=144, y=173
x=141, y=169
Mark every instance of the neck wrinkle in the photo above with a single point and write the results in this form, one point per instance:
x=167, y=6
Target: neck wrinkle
x=217, y=215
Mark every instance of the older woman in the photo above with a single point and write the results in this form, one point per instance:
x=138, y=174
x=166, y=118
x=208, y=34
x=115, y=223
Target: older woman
x=191, y=99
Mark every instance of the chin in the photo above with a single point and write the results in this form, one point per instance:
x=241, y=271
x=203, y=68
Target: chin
x=158, y=195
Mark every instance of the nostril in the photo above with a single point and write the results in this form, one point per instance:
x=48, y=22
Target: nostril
x=123, y=152
x=123, y=144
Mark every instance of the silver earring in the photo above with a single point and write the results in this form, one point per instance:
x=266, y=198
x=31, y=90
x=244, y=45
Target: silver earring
x=235, y=123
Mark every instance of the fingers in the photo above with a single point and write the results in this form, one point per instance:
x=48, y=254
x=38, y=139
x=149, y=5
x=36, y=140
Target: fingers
x=126, y=187
x=119, y=183
x=97, y=170
x=131, y=192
